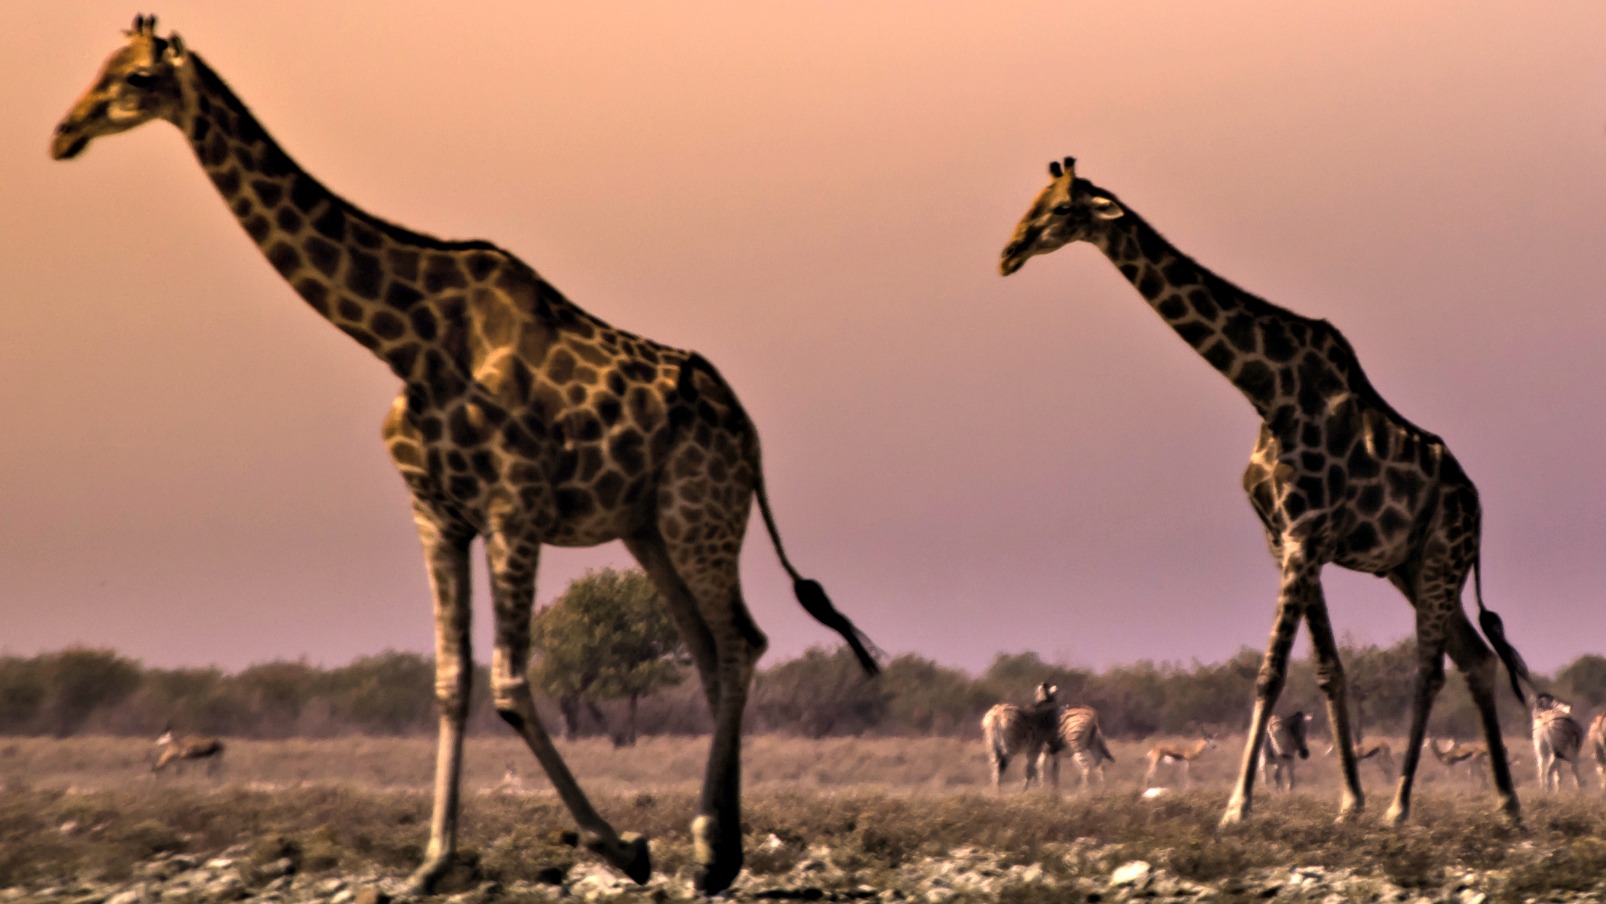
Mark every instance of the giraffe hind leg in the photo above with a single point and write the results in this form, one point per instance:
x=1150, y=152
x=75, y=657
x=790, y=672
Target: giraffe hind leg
x=1330, y=678
x=1479, y=666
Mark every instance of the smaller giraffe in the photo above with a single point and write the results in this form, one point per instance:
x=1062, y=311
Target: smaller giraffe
x=1285, y=740
x=1080, y=734
x=1596, y=745
x=1558, y=738
x=1176, y=752
x=1457, y=757
x=1011, y=730
x=177, y=752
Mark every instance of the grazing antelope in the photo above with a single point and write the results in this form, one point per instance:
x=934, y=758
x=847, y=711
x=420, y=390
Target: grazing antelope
x=1378, y=752
x=1177, y=752
x=1080, y=734
x=1285, y=740
x=178, y=751
x=1456, y=756
x=1596, y=745
x=1011, y=730
x=1558, y=738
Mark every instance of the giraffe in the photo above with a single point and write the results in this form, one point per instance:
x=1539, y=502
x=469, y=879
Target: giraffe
x=1336, y=476
x=523, y=421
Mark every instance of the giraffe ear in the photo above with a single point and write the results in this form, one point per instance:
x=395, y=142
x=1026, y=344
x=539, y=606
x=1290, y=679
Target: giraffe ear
x=1105, y=208
x=176, y=52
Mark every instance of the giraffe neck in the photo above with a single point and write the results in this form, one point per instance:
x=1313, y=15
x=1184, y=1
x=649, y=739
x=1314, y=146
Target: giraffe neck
x=1250, y=341
x=368, y=277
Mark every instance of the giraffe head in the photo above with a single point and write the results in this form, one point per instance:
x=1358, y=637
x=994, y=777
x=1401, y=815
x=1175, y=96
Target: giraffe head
x=1067, y=210
x=138, y=82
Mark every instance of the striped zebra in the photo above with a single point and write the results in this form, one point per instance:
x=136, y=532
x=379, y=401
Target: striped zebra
x=1456, y=757
x=178, y=751
x=1177, y=752
x=1558, y=738
x=1596, y=745
x=1011, y=731
x=1285, y=740
x=1080, y=735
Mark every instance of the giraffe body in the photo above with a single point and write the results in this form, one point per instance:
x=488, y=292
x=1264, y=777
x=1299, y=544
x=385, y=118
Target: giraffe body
x=523, y=421
x=1336, y=476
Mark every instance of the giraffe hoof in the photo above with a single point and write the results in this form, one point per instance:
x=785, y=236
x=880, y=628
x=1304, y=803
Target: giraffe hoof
x=1395, y=817
x=427, y=878
x=1236, y=812
x=719, y=858
x=627, y=853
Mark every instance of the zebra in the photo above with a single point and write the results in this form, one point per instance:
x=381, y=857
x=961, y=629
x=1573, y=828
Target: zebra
x=1455, y=755
x=1011, y=730
x=1169, y=752
x=177, y=751
x=1596, y=745
x=1558, y=738
x=1285, y=739
x=1080, y=734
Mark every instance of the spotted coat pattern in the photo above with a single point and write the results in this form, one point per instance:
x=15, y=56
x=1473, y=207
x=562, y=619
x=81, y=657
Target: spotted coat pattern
x=1336, y=476
x=523, y=421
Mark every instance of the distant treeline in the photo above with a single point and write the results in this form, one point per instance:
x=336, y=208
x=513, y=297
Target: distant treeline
x=821, y=693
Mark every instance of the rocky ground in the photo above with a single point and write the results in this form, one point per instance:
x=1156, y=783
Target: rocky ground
x=966, y=874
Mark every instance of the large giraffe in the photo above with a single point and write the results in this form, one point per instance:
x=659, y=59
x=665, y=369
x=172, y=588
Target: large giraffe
x=1337, y=475
x=524, y=420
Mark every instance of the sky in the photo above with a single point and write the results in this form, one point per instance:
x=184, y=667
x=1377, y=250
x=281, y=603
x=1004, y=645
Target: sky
x=814, y=196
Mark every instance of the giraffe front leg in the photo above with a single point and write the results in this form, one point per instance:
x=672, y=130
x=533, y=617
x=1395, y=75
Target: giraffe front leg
x=1297, y=581
x=446, y=555
x=512, y=565
x=1330, y=678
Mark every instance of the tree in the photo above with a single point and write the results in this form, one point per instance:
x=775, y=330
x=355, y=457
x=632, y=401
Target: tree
x=608, y=637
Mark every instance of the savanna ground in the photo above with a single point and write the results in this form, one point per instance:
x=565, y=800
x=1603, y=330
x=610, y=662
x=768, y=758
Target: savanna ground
x=831, y=819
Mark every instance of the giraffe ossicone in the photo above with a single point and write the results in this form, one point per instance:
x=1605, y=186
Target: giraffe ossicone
x=1336, y=476
x=524, y=420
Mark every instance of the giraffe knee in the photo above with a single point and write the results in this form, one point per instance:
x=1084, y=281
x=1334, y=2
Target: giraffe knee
x=1330, y=677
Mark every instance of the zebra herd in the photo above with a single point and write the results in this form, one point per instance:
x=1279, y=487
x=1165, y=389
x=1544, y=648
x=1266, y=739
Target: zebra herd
x=1038, y=734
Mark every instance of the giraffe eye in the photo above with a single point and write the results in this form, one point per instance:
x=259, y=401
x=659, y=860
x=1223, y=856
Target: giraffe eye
x=140, y=79
x=1062, y=209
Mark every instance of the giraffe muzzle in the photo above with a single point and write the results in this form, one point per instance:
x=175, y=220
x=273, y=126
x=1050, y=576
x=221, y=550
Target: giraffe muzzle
x=67, y=142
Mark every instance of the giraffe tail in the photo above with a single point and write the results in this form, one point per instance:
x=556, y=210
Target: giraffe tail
x=812, y=595
x=1495, y=630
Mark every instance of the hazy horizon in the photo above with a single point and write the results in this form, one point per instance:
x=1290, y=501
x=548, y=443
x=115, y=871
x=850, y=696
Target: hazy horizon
x=814, y=197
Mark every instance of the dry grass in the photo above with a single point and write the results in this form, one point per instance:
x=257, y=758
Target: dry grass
x=90, y=807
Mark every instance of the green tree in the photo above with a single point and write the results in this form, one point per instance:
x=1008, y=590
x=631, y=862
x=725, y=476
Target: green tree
x=78, y=681
x=608, y=637
x=821, y=693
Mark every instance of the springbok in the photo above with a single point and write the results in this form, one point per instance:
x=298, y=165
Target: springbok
x=1378, y=752
x=1472, y=757
x=1011, y=730
x=1079, y=733
x=178, y=751
x=1178, y=752
x=1558, y=738
x=1285, y=740
x=1596, y=745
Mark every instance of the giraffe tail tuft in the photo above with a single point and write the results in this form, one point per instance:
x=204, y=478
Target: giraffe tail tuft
x=817, y=604
x=1495, y=630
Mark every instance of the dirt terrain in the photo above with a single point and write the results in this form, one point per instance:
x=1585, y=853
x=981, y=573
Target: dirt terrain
x=874, y=819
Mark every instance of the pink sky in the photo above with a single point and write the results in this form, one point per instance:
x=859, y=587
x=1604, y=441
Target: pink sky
x=814, y=195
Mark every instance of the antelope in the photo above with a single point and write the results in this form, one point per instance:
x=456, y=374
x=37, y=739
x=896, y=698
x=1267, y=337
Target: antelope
x=1178, y=752
x=1285, y=739
x=1558, y=738
x=1080, y=734
x=1453, y=755
x=1010, y=730
x=1378, y=752
x=1596, y=745
x=178, y=751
